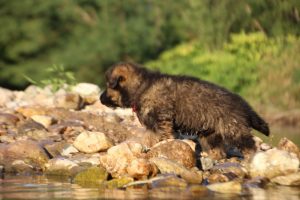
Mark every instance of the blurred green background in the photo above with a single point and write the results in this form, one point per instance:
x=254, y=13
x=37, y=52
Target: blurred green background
x=249, y=46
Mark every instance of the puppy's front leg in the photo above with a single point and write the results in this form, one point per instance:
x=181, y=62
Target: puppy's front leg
x=165, y=129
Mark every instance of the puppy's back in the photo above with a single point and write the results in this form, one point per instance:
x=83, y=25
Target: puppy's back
x=203, y=105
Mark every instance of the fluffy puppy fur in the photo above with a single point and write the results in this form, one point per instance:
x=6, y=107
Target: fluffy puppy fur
x=175, y=106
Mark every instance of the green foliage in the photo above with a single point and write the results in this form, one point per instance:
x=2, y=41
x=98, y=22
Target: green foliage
x=58, y=78
x=88, y=36
x=237, y=66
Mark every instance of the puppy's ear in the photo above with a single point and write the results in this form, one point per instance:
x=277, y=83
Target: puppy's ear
x=115, y=82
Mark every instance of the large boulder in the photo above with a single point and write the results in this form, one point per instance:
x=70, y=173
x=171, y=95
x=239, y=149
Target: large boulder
x=175, y=150
x=28, y=151
x=273, y=162
x=126, y=159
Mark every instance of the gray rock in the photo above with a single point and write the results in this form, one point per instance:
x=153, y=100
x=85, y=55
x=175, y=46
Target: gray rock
x=169, y=166
x=91, y=142
x=217, y=178
x=176, y=150
x=273, y=163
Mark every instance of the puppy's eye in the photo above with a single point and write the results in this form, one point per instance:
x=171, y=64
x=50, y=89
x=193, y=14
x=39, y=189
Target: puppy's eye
x=115, y=82
x=121, y=79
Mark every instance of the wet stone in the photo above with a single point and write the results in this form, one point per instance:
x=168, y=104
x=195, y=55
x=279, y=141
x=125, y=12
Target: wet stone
x=169, y=166
x=232, y=187
x=217, y=178
x=288, y=180
x=29, y=151
x=61, y=167
x=93, y=175
x=20, y=167
x=169, y=181
x=229, y=168
x=257, y=182
x=118, y=182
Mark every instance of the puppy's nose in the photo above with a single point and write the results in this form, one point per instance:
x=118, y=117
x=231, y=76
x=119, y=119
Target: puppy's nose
x=103, y=97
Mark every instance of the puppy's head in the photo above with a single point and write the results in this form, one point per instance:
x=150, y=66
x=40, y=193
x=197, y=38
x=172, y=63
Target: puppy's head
x=122, y=81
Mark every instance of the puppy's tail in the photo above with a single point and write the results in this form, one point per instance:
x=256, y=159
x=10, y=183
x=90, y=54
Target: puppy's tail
x=259, y=124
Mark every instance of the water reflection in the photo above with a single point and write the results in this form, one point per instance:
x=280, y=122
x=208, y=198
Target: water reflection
x=40, y=187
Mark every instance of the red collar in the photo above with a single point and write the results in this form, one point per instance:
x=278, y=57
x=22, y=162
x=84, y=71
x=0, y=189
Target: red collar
x=134, y=108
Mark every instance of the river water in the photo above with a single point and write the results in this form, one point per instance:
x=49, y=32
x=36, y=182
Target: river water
x=41, y=187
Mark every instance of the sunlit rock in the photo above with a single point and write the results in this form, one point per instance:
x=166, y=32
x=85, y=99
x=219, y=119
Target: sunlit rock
x=119, y=158
x=175, y=150
x=288, y=145
x=91, y=142
x=273, y=163
x=68, y=101
x=89, y=92
x=46, y=121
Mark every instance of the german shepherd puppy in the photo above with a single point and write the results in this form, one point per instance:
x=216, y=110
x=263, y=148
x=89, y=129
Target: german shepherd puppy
x=175, y=106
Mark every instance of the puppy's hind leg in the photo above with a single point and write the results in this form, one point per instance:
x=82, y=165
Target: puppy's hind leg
x=213, y=145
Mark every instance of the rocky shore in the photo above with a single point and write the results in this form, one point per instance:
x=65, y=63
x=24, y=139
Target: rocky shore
x=70, y=133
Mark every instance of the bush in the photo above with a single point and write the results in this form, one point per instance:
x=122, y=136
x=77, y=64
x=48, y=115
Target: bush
x=241, y=65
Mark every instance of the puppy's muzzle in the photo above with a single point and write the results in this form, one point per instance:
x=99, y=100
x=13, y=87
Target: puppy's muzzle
x=106, y=100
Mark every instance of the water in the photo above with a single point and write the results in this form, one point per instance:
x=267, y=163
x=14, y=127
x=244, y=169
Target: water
x=41, y=187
